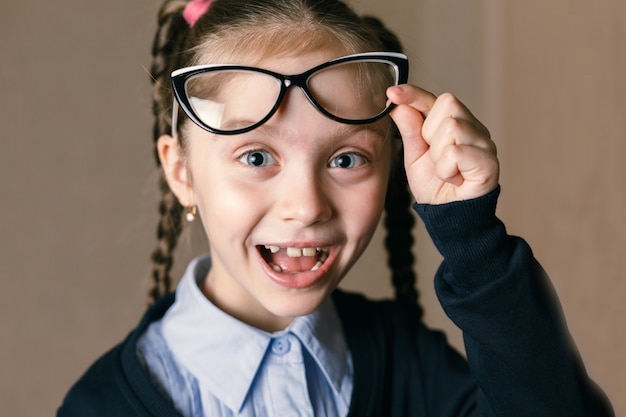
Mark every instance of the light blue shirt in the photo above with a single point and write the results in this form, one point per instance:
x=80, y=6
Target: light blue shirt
x=211, y=364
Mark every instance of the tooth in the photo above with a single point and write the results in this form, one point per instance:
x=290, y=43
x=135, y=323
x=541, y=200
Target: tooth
x=309, y=251
x=277, y=268
x=294, y=252
x=316, y=266
x=272, y=249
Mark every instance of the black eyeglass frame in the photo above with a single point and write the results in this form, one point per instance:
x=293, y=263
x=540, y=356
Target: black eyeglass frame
x=179, y=78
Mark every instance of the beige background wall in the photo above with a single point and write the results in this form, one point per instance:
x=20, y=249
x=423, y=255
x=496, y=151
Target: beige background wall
x=78, y=185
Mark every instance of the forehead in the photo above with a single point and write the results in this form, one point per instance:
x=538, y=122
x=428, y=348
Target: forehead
x=289, y=64
x=272, y=44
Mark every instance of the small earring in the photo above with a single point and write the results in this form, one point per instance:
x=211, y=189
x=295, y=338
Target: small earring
x=190, y=216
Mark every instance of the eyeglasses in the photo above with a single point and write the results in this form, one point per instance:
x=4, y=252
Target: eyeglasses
x=234, y=99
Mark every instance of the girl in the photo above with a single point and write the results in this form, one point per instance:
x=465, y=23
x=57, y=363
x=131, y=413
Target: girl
x=272, y=127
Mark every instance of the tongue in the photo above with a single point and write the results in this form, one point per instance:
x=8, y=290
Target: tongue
x=287, y=264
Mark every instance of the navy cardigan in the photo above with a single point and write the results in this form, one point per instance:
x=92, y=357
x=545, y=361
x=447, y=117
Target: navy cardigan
x=520, y=358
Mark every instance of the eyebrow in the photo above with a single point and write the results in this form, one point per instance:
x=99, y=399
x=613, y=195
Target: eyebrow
x=378, y=127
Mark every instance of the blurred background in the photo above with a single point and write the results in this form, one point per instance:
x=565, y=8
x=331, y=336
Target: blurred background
x=79, y=191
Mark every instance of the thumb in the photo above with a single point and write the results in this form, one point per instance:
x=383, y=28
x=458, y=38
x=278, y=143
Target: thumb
x=409, y=122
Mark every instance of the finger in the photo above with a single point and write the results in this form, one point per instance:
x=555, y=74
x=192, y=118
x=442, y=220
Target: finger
x=473, y=168
x=453, y=131
x=413, y=96
x=449, y=106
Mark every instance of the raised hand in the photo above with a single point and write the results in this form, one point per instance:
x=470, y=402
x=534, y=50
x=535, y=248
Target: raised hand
x=448, y=154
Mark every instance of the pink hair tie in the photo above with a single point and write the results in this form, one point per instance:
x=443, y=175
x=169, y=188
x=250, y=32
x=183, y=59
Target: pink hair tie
x=194, y=10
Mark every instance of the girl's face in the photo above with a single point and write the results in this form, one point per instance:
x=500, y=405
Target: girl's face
x=288, y=207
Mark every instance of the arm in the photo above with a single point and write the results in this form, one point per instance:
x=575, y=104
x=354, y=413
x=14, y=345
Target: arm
x=518, y=347
x=517, y=344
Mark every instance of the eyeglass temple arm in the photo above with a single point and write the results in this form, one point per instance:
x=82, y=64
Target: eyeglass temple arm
x=175, y=119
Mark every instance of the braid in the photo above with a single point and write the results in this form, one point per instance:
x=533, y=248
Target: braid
x=168, y=39
x=399, y=220
x=168, y=230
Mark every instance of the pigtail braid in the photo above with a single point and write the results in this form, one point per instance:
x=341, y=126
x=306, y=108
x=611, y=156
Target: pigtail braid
x=169, y=38
x=399, y=220
x=171, y=33
x=168, y=230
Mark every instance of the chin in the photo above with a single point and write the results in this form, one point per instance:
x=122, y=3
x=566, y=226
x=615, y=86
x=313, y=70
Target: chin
x=295, y=305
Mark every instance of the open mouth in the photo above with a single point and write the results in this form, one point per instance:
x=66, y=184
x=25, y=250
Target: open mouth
x=292, y=260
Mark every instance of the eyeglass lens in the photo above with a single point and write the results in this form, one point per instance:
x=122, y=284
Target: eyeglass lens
x=231, y=99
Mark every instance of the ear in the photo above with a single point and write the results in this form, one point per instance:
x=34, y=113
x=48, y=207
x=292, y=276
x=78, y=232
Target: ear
x=175, y=169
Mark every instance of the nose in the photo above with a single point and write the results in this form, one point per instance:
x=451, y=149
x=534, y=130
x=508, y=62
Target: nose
x=305, y=200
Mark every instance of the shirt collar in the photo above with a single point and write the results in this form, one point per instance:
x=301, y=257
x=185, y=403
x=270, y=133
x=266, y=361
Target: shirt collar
x=321, y=334
x=226, y=356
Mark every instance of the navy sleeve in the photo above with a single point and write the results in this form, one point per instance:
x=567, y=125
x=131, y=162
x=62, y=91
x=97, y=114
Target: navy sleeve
x=519, y=350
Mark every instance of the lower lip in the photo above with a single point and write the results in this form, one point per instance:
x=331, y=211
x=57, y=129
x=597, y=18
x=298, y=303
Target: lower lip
x=298, y=280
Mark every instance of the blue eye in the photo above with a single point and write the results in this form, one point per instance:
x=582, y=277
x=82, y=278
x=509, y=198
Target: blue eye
x=257, y=158
x=347, y=161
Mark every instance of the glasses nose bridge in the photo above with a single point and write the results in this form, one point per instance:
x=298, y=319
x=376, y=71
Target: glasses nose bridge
x=297, y=80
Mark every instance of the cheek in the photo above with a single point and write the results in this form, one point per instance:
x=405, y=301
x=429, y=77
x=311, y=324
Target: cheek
x=372, y=206
x=373, y=201
x=223, y=204
x=226, y=207
x=364, y=205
